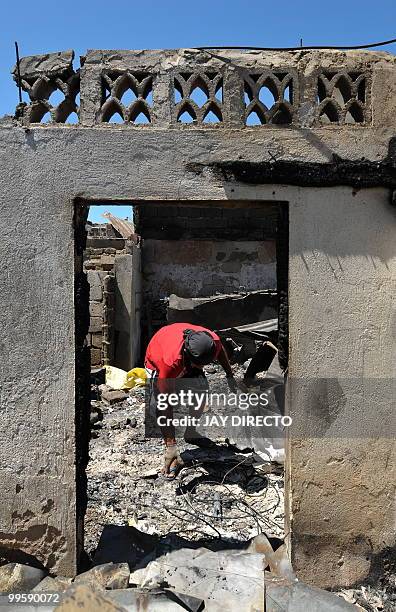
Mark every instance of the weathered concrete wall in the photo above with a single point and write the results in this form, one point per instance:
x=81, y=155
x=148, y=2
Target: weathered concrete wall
x=340, y=271
x=37, y=473
x=127, y=308
x=205, y=223
x=341, y=382
x=192, y=268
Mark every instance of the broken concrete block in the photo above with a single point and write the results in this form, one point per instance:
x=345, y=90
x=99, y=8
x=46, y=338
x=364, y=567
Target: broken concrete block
x=299, y=597
x=18, y=578
x=84, y=597
x=53, y=585
x=96, y=294
x=95, y=324
x=97, y=340
x=96, y=309
x=107, y=575
x=50, y=64
x=113, y=397
x=150, y=474
x=103, y=387
x=96, y=356
x=223, y=576
x=93, y=278
x=152, y=601
x=107, y=262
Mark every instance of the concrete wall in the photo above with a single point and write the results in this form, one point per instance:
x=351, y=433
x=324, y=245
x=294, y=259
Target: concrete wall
x=192, y=268
x=127, y=309
x=342, y=257
x=341, y=383
x=196, y=251
x=37, y=437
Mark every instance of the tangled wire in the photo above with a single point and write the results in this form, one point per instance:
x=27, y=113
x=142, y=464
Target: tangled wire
x=222, y=509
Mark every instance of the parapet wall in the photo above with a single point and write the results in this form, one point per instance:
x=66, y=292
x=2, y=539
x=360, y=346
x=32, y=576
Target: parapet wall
x=216, y=89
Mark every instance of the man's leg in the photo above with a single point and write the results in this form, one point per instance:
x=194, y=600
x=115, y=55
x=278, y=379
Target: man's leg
x=197, y=383
x=260, y=362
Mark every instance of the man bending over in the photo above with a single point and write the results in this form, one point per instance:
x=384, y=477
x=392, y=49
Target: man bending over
x=181, y=350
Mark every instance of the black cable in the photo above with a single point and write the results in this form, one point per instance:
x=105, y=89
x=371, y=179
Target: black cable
x=304, y=48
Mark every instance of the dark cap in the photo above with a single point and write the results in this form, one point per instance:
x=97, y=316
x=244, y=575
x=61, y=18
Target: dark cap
x=199, y=346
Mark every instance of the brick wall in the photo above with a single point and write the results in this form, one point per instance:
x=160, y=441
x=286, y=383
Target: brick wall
x=103, y=244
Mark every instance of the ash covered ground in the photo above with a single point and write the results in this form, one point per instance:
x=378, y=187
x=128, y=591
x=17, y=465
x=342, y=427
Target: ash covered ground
x=226, y=493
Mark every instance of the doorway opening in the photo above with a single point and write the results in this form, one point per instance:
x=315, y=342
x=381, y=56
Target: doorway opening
x=219, y=265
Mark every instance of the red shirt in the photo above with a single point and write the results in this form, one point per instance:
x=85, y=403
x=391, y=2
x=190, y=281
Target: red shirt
x=164, y=352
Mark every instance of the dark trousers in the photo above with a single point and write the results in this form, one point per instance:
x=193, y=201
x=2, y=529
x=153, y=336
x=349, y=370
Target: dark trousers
x=261, y=361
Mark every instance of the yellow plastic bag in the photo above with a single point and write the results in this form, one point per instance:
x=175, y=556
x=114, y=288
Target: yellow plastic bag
x=119, y=379
x=136, y=378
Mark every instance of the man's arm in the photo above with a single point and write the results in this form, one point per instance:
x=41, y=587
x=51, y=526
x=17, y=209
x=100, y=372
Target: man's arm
x=166, y=386
x=223, y=360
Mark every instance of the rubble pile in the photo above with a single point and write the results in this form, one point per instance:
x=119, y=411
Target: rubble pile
x=256, y=578
x=222, y=493
x=373, y=599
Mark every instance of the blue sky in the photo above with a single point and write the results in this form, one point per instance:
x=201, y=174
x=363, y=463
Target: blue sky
x=44, y=26
x=96, y=211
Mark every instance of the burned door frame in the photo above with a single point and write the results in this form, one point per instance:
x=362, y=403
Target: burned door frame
x=82, y=322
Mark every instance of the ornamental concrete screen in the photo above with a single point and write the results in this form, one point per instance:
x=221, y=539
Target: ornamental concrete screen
x=324, y=147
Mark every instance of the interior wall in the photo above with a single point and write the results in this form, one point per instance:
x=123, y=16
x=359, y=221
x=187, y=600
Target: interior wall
x=198, y=251
x=128, y=304
x=192, y=268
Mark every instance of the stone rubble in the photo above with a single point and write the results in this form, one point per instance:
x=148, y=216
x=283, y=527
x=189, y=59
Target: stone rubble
x=84, y=597
x=108, y=576
x=16, y=577
x=176, y=578
x=113, y=397
x=52, y=585
x=192, y=579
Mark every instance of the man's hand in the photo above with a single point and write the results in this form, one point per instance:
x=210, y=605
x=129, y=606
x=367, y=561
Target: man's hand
x=172, y=461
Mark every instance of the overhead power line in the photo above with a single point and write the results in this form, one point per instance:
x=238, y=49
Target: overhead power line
x=307, y=48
